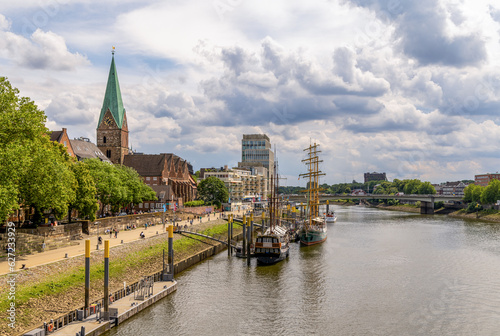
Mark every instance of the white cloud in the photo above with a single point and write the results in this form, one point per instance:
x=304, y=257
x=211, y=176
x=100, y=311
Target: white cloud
x=44, y=50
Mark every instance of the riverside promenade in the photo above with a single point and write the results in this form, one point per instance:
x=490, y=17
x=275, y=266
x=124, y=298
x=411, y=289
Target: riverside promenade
x=42, y=258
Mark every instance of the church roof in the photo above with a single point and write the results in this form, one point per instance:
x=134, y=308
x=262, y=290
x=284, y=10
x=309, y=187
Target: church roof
x=165, y=165
x=113, y=97
x=84, y=149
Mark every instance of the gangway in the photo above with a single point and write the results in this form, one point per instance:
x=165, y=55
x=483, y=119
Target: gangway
x=181, y=230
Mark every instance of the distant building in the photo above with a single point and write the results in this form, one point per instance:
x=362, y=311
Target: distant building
x=62, y=138
x=256, y=152
x=375, y=177
x=242, y=184
x=84, y=149
x=484, y=179
x=450, y=188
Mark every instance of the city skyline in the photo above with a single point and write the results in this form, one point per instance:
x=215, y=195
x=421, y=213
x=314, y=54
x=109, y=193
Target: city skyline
x=403, y=88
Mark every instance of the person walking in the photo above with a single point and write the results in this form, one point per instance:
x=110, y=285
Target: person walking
x=111, y=233
x=116, y=233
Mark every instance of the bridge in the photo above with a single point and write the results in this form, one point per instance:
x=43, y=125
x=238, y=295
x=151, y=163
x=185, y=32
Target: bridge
x=426, y=201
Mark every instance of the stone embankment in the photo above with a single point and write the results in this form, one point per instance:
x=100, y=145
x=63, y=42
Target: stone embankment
x=130, y=261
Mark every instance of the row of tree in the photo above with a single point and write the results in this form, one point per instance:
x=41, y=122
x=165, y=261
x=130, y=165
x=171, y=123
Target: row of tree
x=38, y=173
x=407, y=186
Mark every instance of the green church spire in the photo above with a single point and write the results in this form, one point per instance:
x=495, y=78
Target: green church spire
x=113, y=97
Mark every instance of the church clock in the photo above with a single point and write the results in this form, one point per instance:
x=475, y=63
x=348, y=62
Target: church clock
x=108, y=121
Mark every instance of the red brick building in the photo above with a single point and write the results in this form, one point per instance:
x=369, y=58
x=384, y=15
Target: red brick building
x=484, y=179
x=164, y=170
x=62, y=138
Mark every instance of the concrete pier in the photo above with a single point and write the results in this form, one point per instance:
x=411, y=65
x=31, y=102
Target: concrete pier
x=120, y=310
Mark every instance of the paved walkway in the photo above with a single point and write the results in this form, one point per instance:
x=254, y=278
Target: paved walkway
x=50, y=256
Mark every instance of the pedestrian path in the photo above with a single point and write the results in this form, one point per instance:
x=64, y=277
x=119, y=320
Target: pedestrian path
x=50, y=256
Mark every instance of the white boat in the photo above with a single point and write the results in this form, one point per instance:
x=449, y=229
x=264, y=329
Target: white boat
x=330, y=217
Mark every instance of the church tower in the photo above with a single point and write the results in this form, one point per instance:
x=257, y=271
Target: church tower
x=112, y=129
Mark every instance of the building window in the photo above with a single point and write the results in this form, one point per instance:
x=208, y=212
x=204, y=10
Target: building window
x=104, y=140
x=155, y=178
x=148, y=178
x=108, y=153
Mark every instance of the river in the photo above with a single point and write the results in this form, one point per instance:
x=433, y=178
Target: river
x=379, y=273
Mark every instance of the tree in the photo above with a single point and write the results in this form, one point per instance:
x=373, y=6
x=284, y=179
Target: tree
x=33, y=170
x=117, y=185
x=85, y=201
x=472, y=193
x=213, y=191
x=22, y=128
x=491, y=193
x=50, y=183
x=426, y=188
x=411, y=186
x=137, y=190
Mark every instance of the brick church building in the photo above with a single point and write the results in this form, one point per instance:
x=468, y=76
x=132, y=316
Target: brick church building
x=166, y=170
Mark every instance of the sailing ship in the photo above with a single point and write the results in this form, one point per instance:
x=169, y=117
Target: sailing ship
x=272, y=246
x=313, y=230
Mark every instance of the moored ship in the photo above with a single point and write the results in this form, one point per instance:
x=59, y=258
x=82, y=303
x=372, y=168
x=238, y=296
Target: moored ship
x=272, y=246
x=313, y=230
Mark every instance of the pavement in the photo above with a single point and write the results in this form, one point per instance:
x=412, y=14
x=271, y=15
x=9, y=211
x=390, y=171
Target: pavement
x=51, y=256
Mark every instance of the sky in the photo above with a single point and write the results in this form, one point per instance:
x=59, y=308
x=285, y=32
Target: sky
x=410, y=88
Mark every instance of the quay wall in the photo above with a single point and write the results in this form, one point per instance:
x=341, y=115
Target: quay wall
x=179, y=266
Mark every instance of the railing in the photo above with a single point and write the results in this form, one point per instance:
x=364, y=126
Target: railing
x=72, y=316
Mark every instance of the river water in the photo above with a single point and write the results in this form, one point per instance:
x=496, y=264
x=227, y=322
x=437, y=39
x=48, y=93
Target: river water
x=379, y=273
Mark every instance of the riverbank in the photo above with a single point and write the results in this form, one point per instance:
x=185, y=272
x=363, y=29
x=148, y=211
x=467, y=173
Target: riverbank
x=400, y=207
x=494, y=218
x=50, y=290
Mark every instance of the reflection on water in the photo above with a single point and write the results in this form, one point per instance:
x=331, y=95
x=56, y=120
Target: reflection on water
x=378, y=273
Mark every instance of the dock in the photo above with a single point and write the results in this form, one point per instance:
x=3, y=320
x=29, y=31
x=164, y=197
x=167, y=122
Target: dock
x=120, y=310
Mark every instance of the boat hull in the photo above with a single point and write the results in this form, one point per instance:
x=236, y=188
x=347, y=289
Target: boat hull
x=312, y=237
x=264, y=259
x=330, y=220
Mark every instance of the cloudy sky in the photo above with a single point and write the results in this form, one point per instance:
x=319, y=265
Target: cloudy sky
x=410, y=88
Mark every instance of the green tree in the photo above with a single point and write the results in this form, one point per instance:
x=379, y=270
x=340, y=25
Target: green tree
x=136, y=190
x=50, y=184
x=22, y=129
x=107, y=182
x=213, y=191
x=411, y=186
x=426, y=188
x=85, y=202
x=491, y=193
x=472, y=193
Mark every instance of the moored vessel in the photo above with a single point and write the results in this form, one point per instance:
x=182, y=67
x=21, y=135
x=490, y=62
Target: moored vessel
x=313, y=230
x=330, y=217
x=272, y=245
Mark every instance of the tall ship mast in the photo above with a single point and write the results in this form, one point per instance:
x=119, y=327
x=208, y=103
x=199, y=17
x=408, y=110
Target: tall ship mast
x=314, y=229
x=272, y=245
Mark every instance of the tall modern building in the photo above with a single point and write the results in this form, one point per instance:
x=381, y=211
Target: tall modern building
x=256, y=152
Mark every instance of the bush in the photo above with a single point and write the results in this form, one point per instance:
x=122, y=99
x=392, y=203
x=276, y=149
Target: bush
x=438, y=205
x=474, y=207
x=194, y=203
